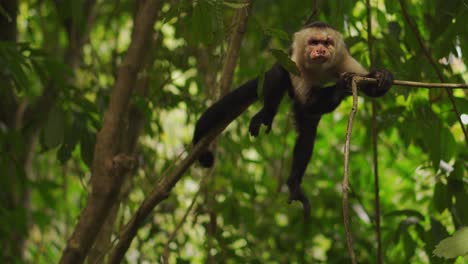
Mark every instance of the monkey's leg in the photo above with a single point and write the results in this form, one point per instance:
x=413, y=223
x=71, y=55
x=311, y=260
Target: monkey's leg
x=306, y=126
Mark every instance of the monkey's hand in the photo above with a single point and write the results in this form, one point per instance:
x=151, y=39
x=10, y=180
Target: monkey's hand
x=344, y=82
x=296, y=194
x=384, y=82
x=257, y=120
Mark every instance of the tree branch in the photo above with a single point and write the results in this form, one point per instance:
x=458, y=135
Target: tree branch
x=161, y=191
x=418, y=84
x=345, y=183
x=167, y=182
x=108, y=168
x=232, y=55
x=166, y=251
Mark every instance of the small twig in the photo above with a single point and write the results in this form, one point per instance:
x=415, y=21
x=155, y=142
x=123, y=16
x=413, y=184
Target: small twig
x=314, y=13
x=431, y=85
x=376, y=182
x=166, y=251
x=345, y=183
x=282, y=160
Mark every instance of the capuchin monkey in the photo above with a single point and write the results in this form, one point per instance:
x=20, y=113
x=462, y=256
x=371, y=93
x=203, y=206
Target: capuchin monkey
x=321, y=56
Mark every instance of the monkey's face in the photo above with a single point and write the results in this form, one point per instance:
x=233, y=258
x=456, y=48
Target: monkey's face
x=317, y=48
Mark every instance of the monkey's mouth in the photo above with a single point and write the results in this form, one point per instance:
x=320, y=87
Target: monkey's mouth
x=319, y=59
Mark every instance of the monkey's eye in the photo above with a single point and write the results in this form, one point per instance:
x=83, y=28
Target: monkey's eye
x=328, y=42
x=313, y=42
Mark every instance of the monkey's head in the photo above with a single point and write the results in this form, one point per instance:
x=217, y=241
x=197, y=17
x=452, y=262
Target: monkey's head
x=317, y=46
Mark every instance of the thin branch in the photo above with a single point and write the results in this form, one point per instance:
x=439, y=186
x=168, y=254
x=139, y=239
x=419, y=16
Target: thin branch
x=428, y=55
x=166, y=251
x=431, y=85
x=314, y=13
x=283, y=158
x=345, y=183
x=162, y=190
x=418, y=84
x=375, y=152
x=235, y=41
x=375, y=159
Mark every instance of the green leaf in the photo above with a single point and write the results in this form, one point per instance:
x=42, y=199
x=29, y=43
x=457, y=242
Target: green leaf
x=436, y=137
x=454, y=246
x=88, y=141
x=391, y=6
x=448, y=145
x=235, y=5
x=46, y=190
x=54, y=128
x=458, y=171
x=460, y=207
x=277, y=33
x=285, y=61
x=438, y=231
x=440, y=198
x=72, y=136
x=203, y=30
x=409, y=246
x=5, y=14
x=408, y=213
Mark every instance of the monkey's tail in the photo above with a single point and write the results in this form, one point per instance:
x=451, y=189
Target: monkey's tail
x=224, y=110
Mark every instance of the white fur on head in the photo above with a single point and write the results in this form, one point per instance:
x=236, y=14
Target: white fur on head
x=315, y=74
x=300, y=52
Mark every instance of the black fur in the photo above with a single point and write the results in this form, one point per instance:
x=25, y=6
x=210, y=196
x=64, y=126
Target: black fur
x=307, y=116
x=234, y=103
x=318, y=24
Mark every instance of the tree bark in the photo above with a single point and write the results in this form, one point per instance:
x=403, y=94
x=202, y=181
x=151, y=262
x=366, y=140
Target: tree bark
x=110, y=163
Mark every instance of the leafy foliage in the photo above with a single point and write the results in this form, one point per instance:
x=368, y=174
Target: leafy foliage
x=242, y=214
x=454, y=246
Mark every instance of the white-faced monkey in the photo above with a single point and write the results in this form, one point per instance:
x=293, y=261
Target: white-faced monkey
x=321, y=57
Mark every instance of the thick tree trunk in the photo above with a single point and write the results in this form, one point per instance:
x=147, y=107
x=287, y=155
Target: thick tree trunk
x=110, y=163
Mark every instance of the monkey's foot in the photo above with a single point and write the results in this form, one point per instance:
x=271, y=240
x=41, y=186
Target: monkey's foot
x=296, y=194
x=257, y=121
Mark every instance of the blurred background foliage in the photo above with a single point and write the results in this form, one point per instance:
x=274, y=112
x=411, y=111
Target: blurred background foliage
x=52, y=99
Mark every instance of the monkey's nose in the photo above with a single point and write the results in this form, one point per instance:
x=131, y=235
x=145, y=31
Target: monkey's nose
x=321, y=52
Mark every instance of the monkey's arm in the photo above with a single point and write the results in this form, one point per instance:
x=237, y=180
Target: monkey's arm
x=236, y=102
x=276, y=83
